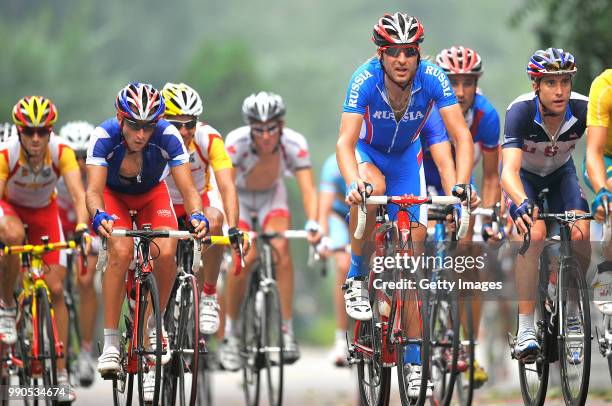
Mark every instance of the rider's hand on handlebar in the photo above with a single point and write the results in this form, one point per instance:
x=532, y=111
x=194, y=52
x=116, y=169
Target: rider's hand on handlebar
x=521, y=216
x=200, y=223
x=239, y=242
x=82, y=237
x=597, y=207
x=103, y=223
x=353, y=192
x=314, y=231
x=459, y=191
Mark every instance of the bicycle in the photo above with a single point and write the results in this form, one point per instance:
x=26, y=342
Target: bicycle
x=73, y=346
x=38, y=347
x=558, y=341
x=261, y=345
x=604, y=336
x=181, y=319
x=379, y=344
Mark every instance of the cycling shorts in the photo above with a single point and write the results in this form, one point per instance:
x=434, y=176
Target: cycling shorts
x=338, y=232
x=564, y=193
x=585, y=176
x=403, y=173
x=266, y=204
x=154, y=207
x=44, y=221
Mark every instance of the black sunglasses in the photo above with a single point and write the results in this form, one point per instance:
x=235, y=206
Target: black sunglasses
x=190, y=125
x=30, y=131
x=259, y=131
x=395, y=51
x=140, y=125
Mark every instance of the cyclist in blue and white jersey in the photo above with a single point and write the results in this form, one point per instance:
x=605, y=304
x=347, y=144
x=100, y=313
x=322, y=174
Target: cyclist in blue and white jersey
x=388, y=101
x=128, y=158
x=541, y=131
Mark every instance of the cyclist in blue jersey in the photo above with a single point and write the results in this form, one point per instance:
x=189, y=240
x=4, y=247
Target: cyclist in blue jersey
x=463, y=66
x=541, y=131
x=388, y=101
x=127, y=160
x=332, y=212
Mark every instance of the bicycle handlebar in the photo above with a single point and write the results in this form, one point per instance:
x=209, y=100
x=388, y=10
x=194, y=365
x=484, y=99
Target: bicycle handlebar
x=567, y=217
x=37, y=249
x=607, y=227
x=407, y=201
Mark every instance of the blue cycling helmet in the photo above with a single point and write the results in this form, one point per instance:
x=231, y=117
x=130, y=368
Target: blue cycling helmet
x=141, y=102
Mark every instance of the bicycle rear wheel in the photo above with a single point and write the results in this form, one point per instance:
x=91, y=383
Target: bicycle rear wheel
x=574, y=340
x=251, y=345
x=444, y=346
x=148, y=360
x=272, y=343
x=182, y=325
x=46, y=341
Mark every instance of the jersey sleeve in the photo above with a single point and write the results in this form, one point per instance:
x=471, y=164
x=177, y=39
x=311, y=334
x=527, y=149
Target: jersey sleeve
x=328, y=175
x=437, y=85
x=359, y=91
x=174, y=147
x=434, y=130
x=600, y=103
x=67, y=161
x=488, y=130
x=219, y=158
x=297, y=151
x=99, y=147
x=513, y=128
x=4, y=165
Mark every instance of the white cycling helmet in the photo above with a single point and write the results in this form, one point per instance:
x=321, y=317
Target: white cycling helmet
x=181, y=99
x=7, y=130
x=77, y=133
x=263, y=106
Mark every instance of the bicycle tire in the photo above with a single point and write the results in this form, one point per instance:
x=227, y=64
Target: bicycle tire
x=573, y=272
x=149, y=296
x=46, y=350
x=609, y=357
x=272, y=342
x=251, y=342
x=423, y=310
x=374, y=378
x=73, y=346
x=536, y=395
x=444, y=320
x=171, y=369
x=123, y=382
x=205, y=372
x=465, y=391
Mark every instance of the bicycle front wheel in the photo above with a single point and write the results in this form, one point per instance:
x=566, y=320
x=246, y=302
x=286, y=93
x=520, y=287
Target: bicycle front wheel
x=272, y=343
x=251, y=345
x=47, y=355
x=575, y=334
x=149, y=359
x=467, y=350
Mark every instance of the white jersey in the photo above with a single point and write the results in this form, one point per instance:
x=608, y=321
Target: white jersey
x=293, y=148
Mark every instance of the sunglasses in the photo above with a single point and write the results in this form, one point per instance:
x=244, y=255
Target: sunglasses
x=140, y=125
x=396, y=50
x=259, y=131
x=29, y=131
x=190, y=125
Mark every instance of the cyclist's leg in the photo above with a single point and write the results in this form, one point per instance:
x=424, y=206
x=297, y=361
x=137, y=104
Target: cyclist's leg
x=88, y=303
x=338, y=232
x=11, y=233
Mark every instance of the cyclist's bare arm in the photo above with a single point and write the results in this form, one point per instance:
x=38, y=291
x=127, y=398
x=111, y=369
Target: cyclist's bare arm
x=96, y=181
x=192, y=200
x=74, y=184
x=305, y=181
x=326, y=202
x=491, y=190
x=462, y=139
x=350, y=126
x=442, y=157
x=2, y=186
x=595, y=145
x=510, y=178
x=226, y=181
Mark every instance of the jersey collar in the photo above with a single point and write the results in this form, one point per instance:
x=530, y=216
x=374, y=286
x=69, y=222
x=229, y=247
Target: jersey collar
x=569, y=118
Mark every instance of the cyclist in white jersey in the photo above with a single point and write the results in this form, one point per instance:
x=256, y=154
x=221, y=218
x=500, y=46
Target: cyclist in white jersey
x=206, y=152
x=262, y=152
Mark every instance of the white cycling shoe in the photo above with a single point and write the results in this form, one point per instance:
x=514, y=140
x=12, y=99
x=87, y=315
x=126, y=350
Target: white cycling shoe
x=356, y=299
x=209, y=314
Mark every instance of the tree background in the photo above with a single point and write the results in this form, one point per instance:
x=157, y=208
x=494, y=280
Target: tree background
x=81, y=52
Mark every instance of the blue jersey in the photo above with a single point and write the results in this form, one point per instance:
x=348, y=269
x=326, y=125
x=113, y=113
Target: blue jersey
x=332, y=181
x=483, y=122
x=165, y=149
x=366, y=95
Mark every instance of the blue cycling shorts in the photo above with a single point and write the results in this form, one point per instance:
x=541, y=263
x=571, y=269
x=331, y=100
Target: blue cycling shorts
x=403, y=175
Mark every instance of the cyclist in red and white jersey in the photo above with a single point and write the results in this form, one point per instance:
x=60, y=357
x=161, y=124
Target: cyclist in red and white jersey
x=207, y=154
x=30, y=166
x=262, y=153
